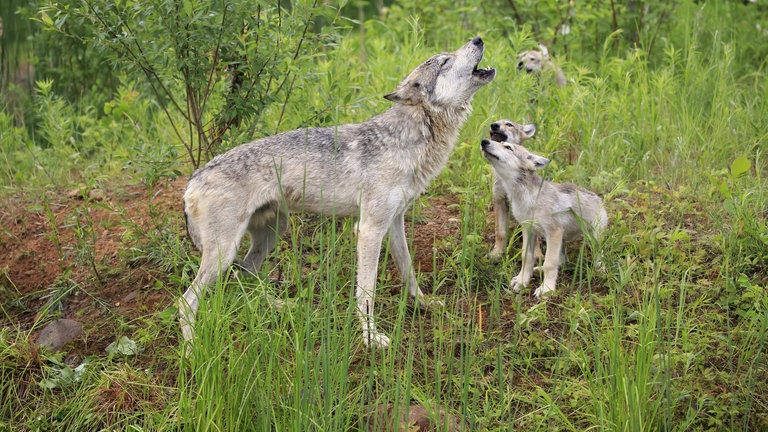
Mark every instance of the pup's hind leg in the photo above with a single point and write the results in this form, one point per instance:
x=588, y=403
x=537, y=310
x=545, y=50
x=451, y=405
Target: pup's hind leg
x=551, y=262
x=526, y=269
x=264, y=228
x=399, y=250
x=218, y=243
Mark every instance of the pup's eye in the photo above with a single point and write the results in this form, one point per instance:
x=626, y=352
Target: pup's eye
x=417, y=85
x=508, y=147
x=509, y=125
x=444, y=61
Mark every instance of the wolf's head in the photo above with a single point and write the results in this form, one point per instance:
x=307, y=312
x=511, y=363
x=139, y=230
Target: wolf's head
x=511, y=132
x=445, y=80
x=509, y=160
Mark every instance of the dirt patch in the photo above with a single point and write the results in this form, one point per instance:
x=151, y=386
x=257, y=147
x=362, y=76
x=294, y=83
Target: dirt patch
x=67, y=255
x=64, y=255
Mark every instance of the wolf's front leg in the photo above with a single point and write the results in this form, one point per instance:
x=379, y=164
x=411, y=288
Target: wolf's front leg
x=526, y=269
x=551, y=262
x=368, y=248
x=402, y=257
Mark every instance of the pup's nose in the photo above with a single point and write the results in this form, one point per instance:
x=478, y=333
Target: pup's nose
x=494, y=127
x=485, y=143
x=520, y=66
x=477, y=40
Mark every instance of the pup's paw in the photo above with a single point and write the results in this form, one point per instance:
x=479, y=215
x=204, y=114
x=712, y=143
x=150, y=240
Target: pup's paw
x=543, y=291
x=375, y=340
x=494, y=255
x=429, y=302
x=518, y=282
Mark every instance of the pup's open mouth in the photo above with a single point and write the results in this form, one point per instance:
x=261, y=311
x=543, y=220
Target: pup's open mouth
x=498, y=136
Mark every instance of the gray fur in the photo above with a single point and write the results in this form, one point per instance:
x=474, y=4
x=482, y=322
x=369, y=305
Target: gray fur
x=552, y=211
x=372, y=170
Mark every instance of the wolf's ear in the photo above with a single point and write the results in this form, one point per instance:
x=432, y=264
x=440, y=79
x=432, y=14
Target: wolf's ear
x=394, y=97
x=402, y=96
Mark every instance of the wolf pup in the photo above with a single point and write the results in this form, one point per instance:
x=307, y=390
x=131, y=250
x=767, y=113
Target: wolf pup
x=373, y=170
x=513, y=133
x=536, y=61
x=552, y=211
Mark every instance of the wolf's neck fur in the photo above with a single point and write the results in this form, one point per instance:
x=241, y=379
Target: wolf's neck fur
x=429, y=139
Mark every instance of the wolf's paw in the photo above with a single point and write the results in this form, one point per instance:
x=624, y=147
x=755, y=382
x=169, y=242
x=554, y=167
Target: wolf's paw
x=375, y=340
x=543, y=291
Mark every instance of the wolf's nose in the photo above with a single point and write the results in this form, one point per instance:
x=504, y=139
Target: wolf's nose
x=485, y=142
x=477, y=40
x=494, y=127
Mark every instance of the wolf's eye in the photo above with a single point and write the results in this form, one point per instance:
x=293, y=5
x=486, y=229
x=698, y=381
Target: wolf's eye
x=417, y=85
x=509, y=125
x=444, y=62
x=508, y=147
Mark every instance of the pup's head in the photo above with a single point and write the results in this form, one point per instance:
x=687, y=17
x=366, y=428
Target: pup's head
x=511, y=132
x=509, y=159
x=534, y=60
x=445, y=80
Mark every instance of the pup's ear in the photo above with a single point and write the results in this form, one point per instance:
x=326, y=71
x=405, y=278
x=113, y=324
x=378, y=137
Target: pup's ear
x=544, y=51
x=529, y=130
x=538, y=162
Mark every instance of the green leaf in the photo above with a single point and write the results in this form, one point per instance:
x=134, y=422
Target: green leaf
x=740, y=166
x=124, y=346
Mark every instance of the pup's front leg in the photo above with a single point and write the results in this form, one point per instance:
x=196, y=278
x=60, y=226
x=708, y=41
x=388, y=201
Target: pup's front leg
x=368, y=249
x=551, y=262
x=501, y=209
x=526, y=269
x=402, y=257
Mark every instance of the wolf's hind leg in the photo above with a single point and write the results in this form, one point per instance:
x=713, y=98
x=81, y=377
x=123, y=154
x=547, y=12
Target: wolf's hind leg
x=219, y=241
x=403, y=260
x=264, y=228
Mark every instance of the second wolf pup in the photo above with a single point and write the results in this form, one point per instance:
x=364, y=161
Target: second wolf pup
x=513, y=133
x=552, y=211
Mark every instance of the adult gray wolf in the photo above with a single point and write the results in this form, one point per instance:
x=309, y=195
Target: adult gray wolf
x=538, y=61
x=513, y=133
x=552, y=211
x=373, y=170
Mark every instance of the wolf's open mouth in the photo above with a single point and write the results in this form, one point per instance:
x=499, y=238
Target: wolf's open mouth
x=482, y=73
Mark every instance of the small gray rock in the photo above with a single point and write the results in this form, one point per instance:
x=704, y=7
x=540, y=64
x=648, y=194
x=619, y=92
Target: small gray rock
x=56, y=334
